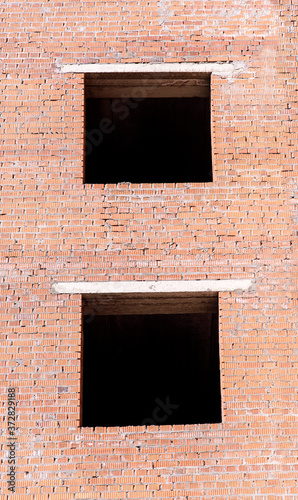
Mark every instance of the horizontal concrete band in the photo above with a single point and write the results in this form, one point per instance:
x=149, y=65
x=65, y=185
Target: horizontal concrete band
x=227, y=68
x=152, y=286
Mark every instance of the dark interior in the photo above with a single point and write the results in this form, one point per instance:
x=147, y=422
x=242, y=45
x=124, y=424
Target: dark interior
x=151, y=370
x=152, y=140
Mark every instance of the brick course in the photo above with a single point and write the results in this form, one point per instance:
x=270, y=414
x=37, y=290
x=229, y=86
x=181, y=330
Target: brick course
x=243, y=225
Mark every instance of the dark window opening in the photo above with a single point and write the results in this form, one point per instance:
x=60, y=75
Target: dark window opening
x=158, y=132
x=152, y=368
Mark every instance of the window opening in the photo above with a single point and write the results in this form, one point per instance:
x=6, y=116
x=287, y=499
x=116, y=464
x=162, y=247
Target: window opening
x=150, y=129
x=150, y=360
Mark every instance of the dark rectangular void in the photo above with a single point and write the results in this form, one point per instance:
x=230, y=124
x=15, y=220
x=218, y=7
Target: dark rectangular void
x=158, y=132
x=156, y=368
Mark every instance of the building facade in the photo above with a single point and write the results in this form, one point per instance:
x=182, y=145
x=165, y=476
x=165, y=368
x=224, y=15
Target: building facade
x=183, y=221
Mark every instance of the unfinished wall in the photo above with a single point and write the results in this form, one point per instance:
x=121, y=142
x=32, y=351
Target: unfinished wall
x=242, y=225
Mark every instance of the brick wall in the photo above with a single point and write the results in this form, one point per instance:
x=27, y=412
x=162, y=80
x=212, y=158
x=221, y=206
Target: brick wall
x=55, y=228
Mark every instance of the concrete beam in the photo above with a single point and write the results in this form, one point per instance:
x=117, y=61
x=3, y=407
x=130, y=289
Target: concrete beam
x=221, y=68
x=231, y=285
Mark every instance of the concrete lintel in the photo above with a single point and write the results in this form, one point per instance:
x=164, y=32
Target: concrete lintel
x=231, y=285
x=221, y=68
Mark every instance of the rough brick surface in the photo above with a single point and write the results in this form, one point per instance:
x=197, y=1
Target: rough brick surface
x=243, y=225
